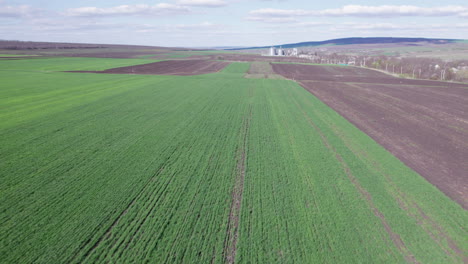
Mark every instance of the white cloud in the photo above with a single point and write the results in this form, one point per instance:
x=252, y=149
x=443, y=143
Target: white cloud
x=204, y=26
x=271, y=12
x=389, y=11
x=17, y=11
x=272, y=19
x=203, y=3
x=158, y=9
x=312, y=24
x=201, y=26
x=366, y=11
x=423, y=28
x=374, y=26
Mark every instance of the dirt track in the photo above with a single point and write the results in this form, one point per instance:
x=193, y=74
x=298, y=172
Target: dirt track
x=423, y=123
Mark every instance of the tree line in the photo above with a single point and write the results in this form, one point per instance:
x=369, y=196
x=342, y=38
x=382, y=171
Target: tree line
x=408, y=67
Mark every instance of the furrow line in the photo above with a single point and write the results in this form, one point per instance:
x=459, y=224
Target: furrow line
x=232, y=232
x=108, y=231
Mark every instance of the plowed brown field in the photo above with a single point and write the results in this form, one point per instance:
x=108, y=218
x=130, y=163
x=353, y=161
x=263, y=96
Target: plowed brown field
x=423, y=123
x=172, y=67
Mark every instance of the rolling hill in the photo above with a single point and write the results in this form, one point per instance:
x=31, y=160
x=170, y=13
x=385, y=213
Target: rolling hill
x=354, y=41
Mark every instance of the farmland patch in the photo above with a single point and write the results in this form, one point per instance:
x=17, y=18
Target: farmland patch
x=236, y=67
x=172, y=67
x=262, y=70
x=423, y=123
x=353, y=74
x=54, y=64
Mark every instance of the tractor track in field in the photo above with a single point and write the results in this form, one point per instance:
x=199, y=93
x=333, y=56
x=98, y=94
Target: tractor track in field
x=116, y=221
x=397, y=241
x=232, y=232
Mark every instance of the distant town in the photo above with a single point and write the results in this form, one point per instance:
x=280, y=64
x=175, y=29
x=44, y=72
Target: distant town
x=407, y=66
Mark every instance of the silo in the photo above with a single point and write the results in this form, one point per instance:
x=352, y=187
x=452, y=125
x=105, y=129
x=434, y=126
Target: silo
x=280, y=52
x=272, y=51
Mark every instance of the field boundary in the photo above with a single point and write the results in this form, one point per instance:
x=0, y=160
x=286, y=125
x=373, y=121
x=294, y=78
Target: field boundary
x=409, y=257
x=412, y=209
x=168, y=67
x=422, y=123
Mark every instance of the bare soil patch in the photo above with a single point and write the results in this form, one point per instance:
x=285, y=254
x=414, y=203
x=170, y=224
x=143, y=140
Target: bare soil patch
x=262, y=70
x=302, y=72
x=423, y=123
x=172, y=67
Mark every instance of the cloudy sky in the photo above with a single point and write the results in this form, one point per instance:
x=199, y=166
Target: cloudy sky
x=202, y=23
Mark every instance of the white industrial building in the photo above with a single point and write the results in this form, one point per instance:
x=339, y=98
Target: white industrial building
x=272, y=51
x=277, y=52
x=282, y=52
x=294, y=52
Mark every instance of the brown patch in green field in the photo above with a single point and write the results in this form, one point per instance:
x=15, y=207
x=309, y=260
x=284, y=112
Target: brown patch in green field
x=262, y=70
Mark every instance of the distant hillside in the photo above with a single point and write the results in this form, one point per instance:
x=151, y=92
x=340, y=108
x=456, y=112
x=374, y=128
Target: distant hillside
x=353, y=41
x=28, y=45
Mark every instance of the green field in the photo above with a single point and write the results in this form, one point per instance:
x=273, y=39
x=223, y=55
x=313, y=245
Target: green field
x=15, y=55
x=68, y=64
x=216, y=168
